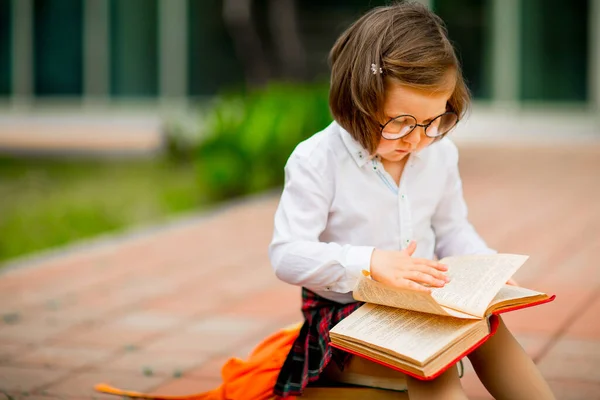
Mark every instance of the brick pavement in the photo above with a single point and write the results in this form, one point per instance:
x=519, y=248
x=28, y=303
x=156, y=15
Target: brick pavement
x=162, y=311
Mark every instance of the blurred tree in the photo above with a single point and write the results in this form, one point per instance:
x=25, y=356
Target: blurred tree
x=290, y=63
x=288, y=45
x=248, y=45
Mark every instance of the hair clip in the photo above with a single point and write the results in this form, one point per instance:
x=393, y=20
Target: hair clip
x=374, y=69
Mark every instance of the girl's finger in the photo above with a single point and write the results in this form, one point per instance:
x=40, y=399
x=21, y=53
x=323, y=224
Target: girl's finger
x=432, y=271
x=421, y=277
x=411, y=285
x=430, y=263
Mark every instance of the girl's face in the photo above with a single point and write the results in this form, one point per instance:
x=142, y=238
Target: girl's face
x=423, y=105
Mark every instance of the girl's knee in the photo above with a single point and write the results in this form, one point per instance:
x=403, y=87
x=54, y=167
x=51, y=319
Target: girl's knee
x=501, y=345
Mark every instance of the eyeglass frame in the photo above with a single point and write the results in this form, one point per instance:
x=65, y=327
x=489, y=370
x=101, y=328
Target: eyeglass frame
x=424, y=126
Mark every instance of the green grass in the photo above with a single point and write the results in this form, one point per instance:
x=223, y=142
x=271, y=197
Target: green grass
x=48, y=203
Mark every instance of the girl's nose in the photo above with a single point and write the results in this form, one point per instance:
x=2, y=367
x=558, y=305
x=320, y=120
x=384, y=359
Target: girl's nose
x=415, y=136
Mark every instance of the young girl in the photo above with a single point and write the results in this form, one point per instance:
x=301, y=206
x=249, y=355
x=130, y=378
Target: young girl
x=379, y=190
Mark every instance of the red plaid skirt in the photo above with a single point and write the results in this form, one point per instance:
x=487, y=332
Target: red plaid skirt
x=311, y=352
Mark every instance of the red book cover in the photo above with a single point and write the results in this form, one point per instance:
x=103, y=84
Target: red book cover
x=493, y=321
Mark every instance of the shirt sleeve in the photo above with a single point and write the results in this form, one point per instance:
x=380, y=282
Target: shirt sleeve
x=455, y=235
x=297, y=255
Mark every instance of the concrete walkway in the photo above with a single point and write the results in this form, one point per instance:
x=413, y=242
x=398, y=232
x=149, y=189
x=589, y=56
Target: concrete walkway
x=162, y=312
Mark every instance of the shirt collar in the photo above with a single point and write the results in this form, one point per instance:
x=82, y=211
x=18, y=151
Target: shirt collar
x=360, y=155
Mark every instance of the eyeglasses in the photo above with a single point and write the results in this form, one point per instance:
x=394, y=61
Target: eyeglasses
x=403, y=125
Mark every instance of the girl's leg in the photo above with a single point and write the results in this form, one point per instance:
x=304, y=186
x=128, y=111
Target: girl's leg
x=446, y=386
x=506, y=370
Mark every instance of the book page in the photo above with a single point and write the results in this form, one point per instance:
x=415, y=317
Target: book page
x=475, y=280
x=510, y=296
x=371, y=291
x=414, y=336
x=509, y=292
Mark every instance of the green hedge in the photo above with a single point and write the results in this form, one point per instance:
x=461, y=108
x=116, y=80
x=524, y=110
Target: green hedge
x=239, y=146
x=53, y=202
x=250, y=136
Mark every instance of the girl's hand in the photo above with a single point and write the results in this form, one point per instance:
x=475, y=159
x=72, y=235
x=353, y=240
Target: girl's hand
x=512, y=282
x=399, y=269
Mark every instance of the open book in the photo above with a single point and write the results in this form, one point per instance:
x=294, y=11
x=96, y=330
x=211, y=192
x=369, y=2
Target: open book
x=424, y=334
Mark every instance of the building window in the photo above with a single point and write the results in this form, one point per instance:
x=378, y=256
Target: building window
x=554, y=51
x=469, y=29
x=5, y=48
x=133, y=48
x=212, y=62
x=57, y=36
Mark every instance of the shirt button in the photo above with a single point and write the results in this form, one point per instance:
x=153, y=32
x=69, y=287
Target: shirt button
x=327, y=287
x=403, y=196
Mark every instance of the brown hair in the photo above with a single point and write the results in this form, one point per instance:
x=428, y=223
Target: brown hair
x=410, y=44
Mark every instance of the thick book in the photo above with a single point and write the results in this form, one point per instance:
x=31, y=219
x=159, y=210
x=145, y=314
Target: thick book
x=424, y=334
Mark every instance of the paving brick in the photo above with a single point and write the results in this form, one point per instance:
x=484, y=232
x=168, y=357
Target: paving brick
x=82, y=384
x=227, y=326
x=147, y=320
x=533, y=344
x=71, y=316
x=574, y=390
x=243, y=350
x=14, y=378
x=194, y=343
x=532, y=321
x=185, y=386
x=587, y=324
x=547, y=318
x=573, y=360
x=579, y=271
x=577, y=347
x=127, y=292
x=169, y=364
x=8, y=350
x=545, y=251
x=174, y=305
x=61, y=357
x=211, y=369
x=199, y=298
x=247, y=284
x=41, y=291
x=29, y=396
x=271, y=304
x=98, y=302
x=573, y=368
x=104, y=336
x=31, y=331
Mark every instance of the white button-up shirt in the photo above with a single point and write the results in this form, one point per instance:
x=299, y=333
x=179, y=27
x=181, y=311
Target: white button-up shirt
x=339, y=204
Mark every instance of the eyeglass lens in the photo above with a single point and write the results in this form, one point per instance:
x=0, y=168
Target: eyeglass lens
x=404, y=124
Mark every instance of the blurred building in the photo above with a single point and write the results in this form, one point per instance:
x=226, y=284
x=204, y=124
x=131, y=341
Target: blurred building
x=145, y=55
